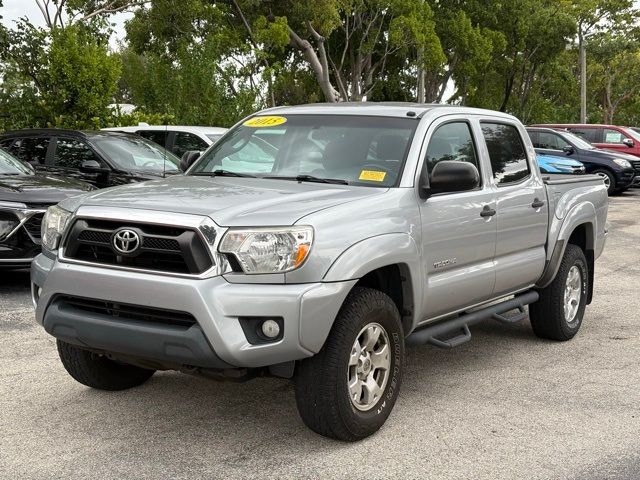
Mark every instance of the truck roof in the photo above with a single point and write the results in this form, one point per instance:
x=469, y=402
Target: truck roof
x=388, y=109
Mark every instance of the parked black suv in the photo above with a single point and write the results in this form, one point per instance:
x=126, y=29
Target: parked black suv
x=615, y=168
x=24, y=197
x=104, y=159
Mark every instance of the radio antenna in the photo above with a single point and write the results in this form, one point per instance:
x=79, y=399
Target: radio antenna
x=164, y=153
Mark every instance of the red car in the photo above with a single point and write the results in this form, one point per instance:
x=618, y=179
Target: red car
x=610, y=137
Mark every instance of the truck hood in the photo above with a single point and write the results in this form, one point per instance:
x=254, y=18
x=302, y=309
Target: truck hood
x=232, y=201
x=39, y=189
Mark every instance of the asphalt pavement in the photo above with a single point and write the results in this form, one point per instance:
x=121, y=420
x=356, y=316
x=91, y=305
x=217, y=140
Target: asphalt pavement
x=506, y=405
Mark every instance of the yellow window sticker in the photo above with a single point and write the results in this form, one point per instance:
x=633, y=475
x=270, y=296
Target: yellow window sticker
x=267, y=121
x=372, y=175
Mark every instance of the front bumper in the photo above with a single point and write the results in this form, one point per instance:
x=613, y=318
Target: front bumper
x=625, y=178
x=307, y=310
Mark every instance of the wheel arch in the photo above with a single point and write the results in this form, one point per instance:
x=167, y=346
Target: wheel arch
x=578, y=228
x=389, y=263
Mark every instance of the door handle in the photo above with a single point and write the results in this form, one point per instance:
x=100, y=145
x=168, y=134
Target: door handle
x=487, y=211
x=537, y=203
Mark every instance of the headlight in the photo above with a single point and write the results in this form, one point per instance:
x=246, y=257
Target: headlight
x=53, y=225
x=268, y=250
x=622, y=162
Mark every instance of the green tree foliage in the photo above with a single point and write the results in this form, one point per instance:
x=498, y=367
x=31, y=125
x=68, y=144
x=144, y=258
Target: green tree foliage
x=60, y=77
x=213, y=61
x=181, y=61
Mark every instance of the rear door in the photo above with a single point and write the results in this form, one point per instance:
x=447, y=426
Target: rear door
x=458, y=228
x=522, y=207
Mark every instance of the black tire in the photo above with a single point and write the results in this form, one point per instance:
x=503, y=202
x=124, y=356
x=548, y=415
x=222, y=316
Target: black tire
x=547, y=315
x=612, y=179
x=322, y=394
x=97, y=371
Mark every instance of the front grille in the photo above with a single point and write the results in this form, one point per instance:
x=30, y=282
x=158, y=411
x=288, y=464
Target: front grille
x=163, y=248
x=636, y=166
x=123, y=311
x=33, y=224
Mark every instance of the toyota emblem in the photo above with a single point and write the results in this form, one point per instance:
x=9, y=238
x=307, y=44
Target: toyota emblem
x=126, y=241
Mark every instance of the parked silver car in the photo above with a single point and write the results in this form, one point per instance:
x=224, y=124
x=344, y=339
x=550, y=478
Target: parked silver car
x=313, y=242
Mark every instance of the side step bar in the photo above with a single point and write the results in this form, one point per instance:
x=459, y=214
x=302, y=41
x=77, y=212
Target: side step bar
x=462, y=323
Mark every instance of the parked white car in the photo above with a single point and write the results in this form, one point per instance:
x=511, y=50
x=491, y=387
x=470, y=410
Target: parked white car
x=177, y=139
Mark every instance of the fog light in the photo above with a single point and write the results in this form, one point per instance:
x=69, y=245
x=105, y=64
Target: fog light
x=270, y=328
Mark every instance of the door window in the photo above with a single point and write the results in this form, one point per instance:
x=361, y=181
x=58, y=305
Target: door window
x=506, y=152
x=70, y=153
x=613, y=136
x=591, y=135
x=547, y=140
x=157, y=136
x=31, y=149
x=185, y=142
x=451, y=141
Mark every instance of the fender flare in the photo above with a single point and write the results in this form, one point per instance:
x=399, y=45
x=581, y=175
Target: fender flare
x=377, y=252
x=581, y=214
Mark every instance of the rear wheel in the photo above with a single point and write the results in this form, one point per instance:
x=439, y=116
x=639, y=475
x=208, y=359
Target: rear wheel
x=608, y=178
x=348, y=389
x=97, y=371
x=557, y=315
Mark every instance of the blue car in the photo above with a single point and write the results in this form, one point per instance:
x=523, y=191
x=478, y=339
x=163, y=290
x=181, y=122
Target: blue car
x=555, y=164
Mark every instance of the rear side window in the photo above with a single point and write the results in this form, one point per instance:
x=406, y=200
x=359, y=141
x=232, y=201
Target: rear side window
x=31, y=149
x=506, y=152
x=70, y=153
x=185, y=142
x=157, y=136
x=591, y=135
x=6, y=143
x=451, y=141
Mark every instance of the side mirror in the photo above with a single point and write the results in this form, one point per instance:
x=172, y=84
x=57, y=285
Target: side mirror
x=568, y=149
x=93, y=166
x=628, y=142
x=450, y=176
x=188, y=159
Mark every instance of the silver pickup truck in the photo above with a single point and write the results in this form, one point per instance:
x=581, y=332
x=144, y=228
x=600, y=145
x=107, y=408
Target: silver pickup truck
x=313, y=243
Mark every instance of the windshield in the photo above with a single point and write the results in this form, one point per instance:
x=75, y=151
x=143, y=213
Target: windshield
x=10, y=165
x=355, y=149
x=578, y=141
x=136, y=153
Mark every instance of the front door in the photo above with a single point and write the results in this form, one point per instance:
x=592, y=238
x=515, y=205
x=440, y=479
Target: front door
x=521, y=205
x=458, y=228
x=68, y=156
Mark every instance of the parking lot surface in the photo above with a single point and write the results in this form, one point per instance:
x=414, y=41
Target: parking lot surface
x=505, y=405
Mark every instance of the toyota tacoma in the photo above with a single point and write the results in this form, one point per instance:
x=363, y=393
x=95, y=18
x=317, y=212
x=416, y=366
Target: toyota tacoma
x=313, y=243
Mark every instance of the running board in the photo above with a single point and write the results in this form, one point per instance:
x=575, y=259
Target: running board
x=456, y=331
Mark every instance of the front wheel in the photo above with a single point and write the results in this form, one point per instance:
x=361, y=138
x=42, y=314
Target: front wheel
x=98, y=371
x=557, y=315
x=348, y=389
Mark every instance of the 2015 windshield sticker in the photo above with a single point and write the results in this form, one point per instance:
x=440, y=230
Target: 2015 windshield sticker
x=268, y=121
x=372, y=175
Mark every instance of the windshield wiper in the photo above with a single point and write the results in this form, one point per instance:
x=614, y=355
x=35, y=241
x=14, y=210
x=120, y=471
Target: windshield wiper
x=310, y=178
x=222, y=173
